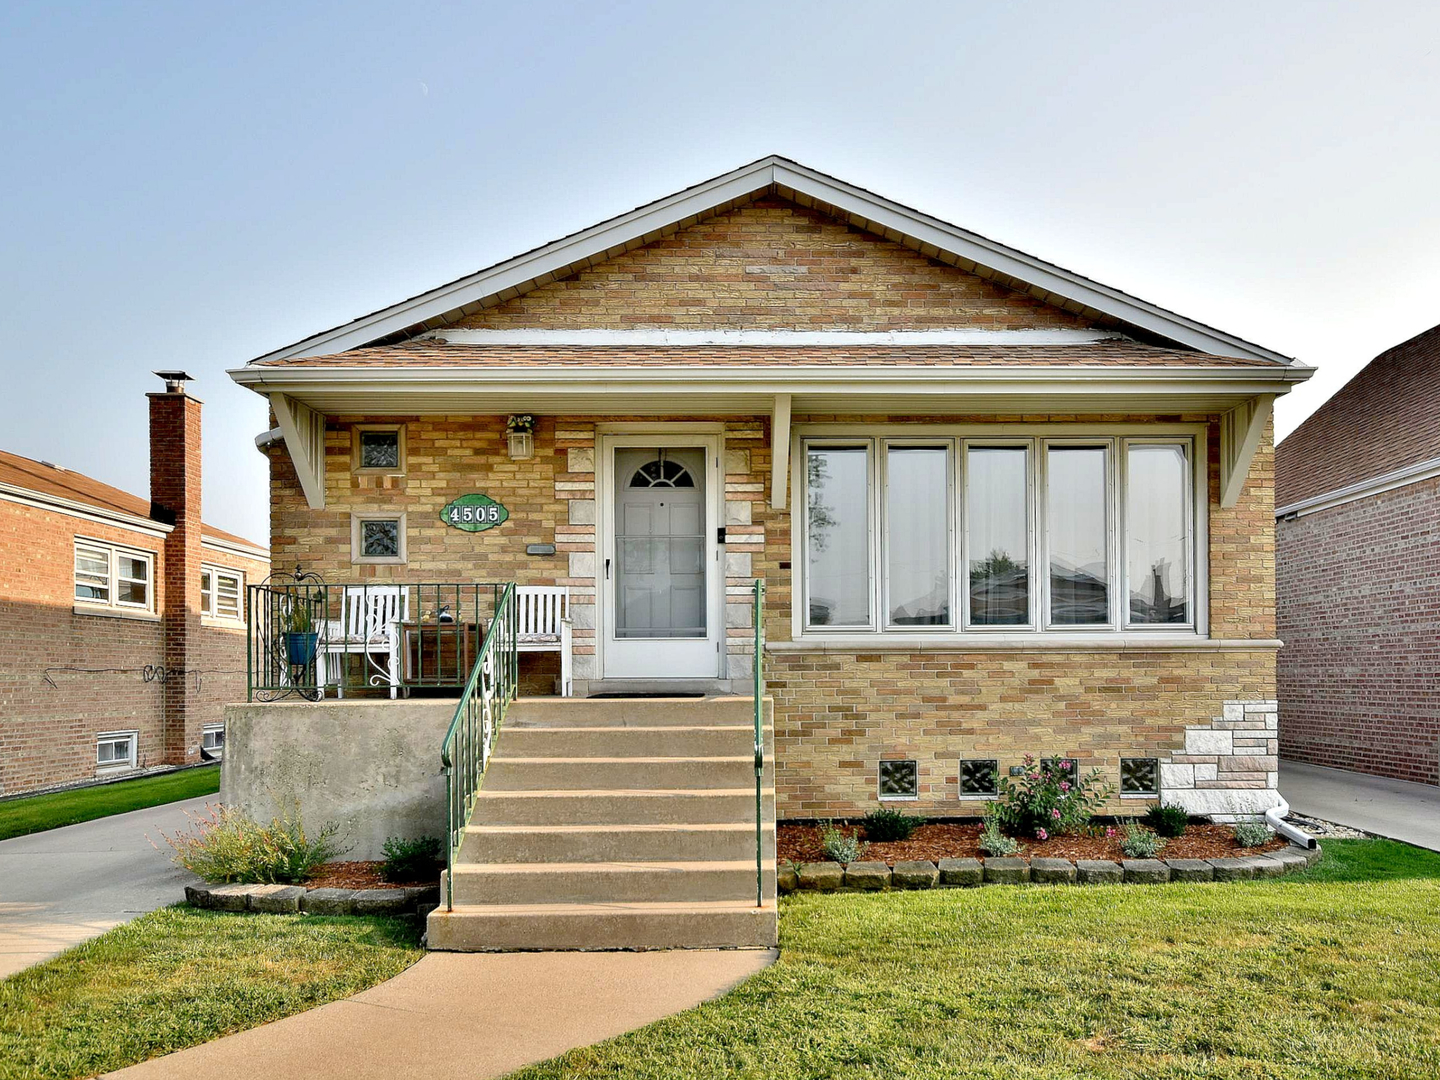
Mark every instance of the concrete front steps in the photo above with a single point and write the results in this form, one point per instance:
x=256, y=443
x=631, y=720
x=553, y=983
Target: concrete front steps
x=617, y=824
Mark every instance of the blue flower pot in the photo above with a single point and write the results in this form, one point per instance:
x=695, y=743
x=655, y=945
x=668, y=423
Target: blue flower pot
x=300, y=648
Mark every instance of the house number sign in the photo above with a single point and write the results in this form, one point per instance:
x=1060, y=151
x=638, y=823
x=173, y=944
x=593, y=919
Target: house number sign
x=474, y=513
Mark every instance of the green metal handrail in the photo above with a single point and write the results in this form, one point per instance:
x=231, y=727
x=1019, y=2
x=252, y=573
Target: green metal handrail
x=466, y=751
x=758, y=618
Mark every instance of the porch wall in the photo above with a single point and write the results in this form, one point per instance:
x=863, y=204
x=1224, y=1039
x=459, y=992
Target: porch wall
x=838, y=714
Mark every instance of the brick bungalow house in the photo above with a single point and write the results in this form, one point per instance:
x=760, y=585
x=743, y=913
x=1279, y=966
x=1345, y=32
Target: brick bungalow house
x=100, y=585
x=1357, y=492
x=1000, y=509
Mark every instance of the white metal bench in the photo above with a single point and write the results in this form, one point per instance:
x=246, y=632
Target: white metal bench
x=369, y=625
x=545, y=625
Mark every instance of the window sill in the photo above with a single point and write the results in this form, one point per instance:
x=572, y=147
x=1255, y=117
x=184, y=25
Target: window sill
x=374, y=560
x=115, y=613
x=115, y=770
x=218, y=622
x=1033, y=642
x=1139, y=795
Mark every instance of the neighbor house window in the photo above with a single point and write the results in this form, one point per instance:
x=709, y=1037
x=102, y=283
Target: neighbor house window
x=1139, y=776
x=378, y=449
x=899, y=780
x=837, y=536
x=220, y=592
x=113, y=577
x=377, y=538
x=115, y=750
x=979, y=777
x=1001, y=532
x=212, y=742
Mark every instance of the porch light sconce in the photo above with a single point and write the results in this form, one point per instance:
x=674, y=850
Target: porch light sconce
x=520, y=432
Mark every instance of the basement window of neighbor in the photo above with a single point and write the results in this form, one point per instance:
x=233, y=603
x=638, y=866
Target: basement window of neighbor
x=1000, y=529
x=115, y=750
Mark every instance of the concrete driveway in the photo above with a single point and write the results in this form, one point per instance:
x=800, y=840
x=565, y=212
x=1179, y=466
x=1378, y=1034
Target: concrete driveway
x=1392, y=808
x=61, y=887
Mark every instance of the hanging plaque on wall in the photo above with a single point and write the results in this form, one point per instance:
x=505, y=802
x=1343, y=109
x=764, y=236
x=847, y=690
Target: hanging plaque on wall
x=474, y=513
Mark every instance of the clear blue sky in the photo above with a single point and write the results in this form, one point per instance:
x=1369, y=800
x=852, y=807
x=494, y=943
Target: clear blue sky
x=190, y=185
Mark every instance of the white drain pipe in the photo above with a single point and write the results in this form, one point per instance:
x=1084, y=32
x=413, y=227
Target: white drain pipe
x=1275, y=818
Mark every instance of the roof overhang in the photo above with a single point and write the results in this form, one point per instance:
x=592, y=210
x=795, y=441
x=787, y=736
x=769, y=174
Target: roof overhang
x=588, y=390
x=930, y=236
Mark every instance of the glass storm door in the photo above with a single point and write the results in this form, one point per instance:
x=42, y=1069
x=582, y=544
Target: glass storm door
x=660, y=564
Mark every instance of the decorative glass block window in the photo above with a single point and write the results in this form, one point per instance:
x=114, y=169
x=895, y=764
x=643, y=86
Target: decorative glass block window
x=377, y=538
x=116, y=750
x=220, y=592
x=113, y=577
x=979, y=776
x=1067, y=766
x=899, y=780
x=1140, y=776
x=379, y=449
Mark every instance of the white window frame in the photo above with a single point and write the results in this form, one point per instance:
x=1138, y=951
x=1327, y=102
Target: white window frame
x=209, y=598
x=113, y=554
x=356, y=552
x=1036, y=439
x=131, y=761
x=213, y=729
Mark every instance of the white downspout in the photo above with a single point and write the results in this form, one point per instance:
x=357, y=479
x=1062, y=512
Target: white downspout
x=1275, y=818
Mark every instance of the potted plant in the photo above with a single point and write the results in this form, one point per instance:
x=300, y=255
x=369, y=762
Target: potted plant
x=520, y=430
x=301, y=638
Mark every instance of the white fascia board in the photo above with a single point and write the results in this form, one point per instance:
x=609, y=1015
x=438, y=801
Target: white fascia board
x=1363, y=489
x=626, y=229
x=770, y=338
x=229, y=547
x=84, y=511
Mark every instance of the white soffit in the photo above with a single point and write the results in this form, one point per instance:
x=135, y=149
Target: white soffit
x=930, y=236
x=771, y=338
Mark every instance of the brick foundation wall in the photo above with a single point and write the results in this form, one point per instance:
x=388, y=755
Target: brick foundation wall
x=1359, y=612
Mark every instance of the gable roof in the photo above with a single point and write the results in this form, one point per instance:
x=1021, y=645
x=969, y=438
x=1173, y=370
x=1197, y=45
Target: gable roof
x=1384, y=419
x=930, y=236
x=43, y=478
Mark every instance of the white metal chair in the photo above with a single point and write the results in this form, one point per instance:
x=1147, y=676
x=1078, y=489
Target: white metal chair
x=545, y=626
x=369, y=625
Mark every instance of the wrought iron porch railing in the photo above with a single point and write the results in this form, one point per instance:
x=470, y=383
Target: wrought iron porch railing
x=307, y=638
x=758, y=619
x=465, y=753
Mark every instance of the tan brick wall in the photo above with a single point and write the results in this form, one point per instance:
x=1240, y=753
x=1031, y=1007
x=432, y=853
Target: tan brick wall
x=773, y=265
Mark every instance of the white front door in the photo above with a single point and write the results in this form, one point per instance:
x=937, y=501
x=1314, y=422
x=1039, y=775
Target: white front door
x=660, y=572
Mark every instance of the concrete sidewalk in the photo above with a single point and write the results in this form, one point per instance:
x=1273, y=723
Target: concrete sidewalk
x=1393, y=808
x=469, y=1015
x=63, y=886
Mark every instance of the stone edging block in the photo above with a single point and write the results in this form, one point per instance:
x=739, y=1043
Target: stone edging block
x=950, y=873
x=285, y=899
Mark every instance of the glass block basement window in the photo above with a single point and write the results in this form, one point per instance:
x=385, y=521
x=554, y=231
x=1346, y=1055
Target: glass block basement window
x=1140, y=776
x=899, y=780
x=1073, y=770
x=979, y=776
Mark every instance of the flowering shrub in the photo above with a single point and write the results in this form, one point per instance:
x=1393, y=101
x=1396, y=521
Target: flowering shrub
x=1140, y=842
x=229, y=846
x=1049, y=798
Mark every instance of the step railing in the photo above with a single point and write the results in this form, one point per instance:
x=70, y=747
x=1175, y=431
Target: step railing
x=758, y=620
x=465, y=754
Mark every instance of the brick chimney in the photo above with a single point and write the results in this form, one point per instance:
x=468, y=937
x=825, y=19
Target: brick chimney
x=175, y=500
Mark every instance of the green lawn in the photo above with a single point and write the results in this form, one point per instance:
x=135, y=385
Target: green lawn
x=1333, y=974
x=40, y=812
x=178, y=977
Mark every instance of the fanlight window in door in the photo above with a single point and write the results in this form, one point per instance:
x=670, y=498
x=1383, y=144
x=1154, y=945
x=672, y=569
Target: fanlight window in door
x=662, y=473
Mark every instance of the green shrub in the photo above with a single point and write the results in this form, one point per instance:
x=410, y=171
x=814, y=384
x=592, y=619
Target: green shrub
x=1167, y=820
x=885, y=824
x=839, y=845
x=229, y=846
x=1140, y=842
x=995, y=843
x=411, y=860
x=1253, y=833
x=1046, y=800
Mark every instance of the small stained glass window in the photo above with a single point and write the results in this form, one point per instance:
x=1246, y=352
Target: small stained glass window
x=979, y=776
x=1140, y=776
x=380, y=449
x=899, y=780
x=1065, y=765
x=380, y=539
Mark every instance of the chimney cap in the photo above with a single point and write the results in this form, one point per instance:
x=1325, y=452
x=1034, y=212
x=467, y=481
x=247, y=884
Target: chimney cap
x=174, y=381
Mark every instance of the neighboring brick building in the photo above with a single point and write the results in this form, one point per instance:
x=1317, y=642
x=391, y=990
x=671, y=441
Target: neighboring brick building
x=1358, y=541
x=1034, y=513
x=102, y=593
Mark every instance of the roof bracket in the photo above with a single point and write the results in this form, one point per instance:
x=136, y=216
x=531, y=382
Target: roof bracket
x=304, y=431
x=1240, y=431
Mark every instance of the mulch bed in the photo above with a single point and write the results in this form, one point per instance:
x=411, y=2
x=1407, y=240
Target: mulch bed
x=359, y=875
x=801, y=844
